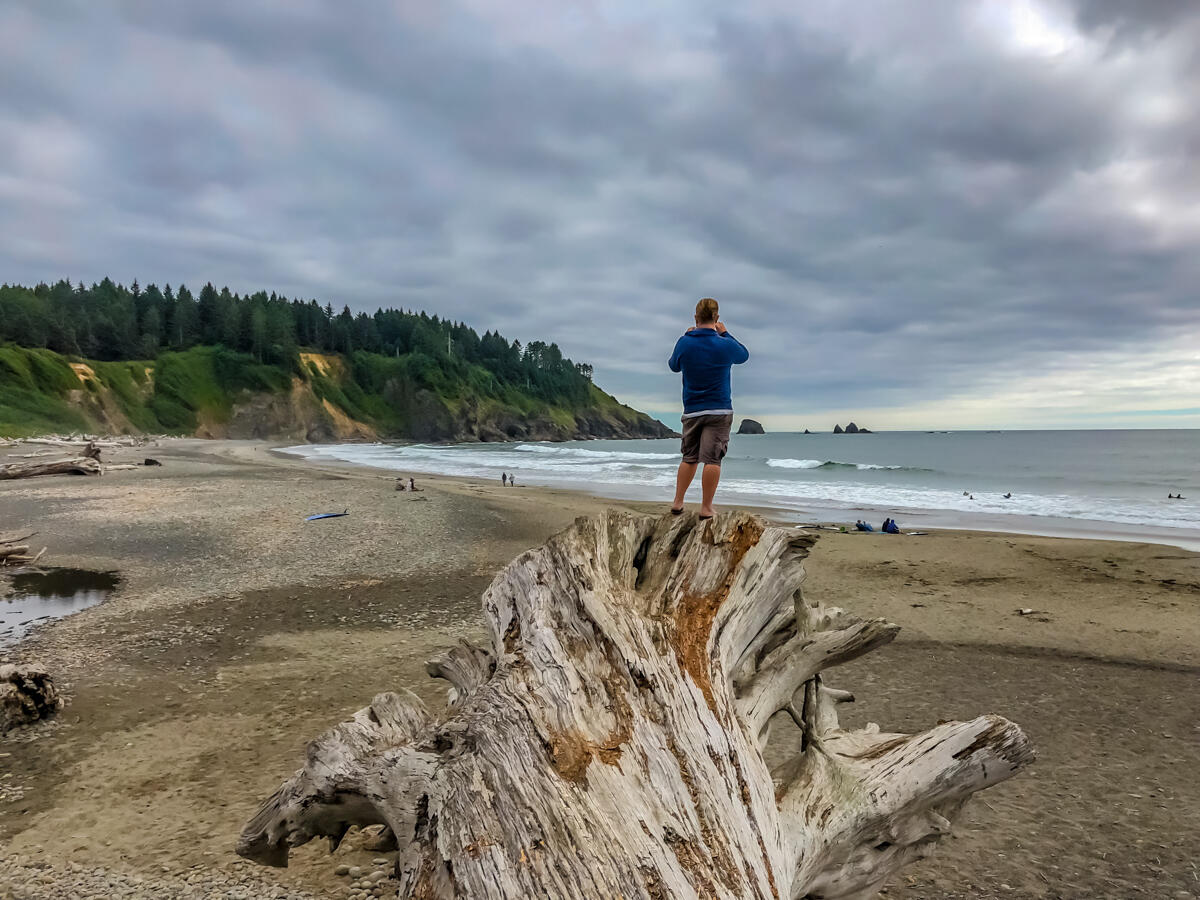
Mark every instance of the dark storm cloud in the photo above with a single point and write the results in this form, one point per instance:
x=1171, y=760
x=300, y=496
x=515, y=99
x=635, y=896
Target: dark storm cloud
x=892, y=208
x=1132, y=21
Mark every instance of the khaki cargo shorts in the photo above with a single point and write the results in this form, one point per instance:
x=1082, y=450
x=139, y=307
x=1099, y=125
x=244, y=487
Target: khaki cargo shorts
x=705, y=439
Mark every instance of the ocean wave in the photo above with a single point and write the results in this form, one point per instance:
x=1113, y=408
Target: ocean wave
x=796, y=463
x=583, y=454
x=780, y=482
x=831, y=464
x=898, y=498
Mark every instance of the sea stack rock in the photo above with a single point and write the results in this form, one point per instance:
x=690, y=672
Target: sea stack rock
x=851, y=428
x=837, y=429
x=806, y=431
x=749, y=426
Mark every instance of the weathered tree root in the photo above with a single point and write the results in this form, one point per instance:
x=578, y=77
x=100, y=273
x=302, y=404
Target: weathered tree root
x=608, y=742
x=27, y=694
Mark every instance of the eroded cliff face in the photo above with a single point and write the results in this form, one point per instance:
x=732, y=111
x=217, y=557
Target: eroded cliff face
x=428, y=419
x=299, y=414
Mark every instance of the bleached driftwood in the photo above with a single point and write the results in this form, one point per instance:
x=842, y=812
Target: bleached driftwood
x=80, y=441
x=15, y=553
x=27, y=694
x=609, y=740
x=79, y=466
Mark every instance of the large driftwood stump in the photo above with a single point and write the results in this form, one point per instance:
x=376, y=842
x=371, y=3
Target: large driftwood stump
x=608, y=742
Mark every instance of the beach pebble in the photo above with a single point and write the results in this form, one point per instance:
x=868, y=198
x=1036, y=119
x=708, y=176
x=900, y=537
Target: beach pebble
x=380, y=862
x=355, y=872
x=342, y=870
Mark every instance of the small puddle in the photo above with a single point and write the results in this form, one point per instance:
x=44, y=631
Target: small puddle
x=36, y=596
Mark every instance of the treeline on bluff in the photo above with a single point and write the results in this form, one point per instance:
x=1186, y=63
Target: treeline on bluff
x=133, y=359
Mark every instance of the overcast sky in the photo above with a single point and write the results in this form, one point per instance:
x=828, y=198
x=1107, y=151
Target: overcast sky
x=921, y=213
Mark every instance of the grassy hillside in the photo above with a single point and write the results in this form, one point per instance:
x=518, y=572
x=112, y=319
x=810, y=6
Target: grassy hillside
x=213, y=391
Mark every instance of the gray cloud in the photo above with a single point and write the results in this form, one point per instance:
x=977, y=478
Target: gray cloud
x=893, y=209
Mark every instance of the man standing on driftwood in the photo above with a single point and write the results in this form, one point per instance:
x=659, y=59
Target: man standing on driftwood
x=705, y=355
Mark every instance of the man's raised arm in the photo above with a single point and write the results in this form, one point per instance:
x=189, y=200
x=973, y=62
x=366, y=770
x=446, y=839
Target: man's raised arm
x=738, y=353
x=674, y=362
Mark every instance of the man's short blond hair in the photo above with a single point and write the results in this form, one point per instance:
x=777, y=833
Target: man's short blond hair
x=707, y=311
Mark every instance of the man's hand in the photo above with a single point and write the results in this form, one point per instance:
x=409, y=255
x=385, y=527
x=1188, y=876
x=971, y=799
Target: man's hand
x=720, y=328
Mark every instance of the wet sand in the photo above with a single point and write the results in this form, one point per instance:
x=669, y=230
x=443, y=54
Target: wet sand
x=239, y=631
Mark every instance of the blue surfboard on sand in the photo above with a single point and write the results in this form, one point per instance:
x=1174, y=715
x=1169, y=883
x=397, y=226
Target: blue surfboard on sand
x=314, y=518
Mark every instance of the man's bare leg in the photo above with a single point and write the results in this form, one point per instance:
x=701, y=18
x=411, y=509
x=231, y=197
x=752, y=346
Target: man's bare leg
x=708, y=484
x=683, y=478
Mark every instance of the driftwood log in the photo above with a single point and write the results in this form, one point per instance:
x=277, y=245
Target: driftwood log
x=27, y=694
x=15, y=553
x=608, y=742
x=82, y=465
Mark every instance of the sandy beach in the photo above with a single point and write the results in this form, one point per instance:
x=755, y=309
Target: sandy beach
x=238, y=632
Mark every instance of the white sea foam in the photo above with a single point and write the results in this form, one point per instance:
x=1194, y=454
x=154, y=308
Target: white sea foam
x=587, y=455
x=800, y=483
x=823, y=464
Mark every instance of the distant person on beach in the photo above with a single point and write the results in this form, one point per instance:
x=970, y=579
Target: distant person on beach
x=705, y=355
x=504, y=478
x=863, y=526
x=412, y=485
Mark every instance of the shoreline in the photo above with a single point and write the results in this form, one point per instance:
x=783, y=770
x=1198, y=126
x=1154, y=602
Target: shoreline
x=239, y=632
x=1029, y=525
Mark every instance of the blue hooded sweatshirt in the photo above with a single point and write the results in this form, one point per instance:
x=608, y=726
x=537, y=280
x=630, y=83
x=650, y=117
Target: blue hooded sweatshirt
x=705, y=356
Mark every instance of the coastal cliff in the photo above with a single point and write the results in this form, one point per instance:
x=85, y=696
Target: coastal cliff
x=213, y=392
x=133, y=359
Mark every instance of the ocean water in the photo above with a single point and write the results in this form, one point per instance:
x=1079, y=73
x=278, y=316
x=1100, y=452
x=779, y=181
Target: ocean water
x=1111, y=483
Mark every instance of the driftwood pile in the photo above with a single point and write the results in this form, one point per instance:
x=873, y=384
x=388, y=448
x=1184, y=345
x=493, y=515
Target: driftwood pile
x=27, y=694
x=608, y=741
x=15, y=553
x=85, y=458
